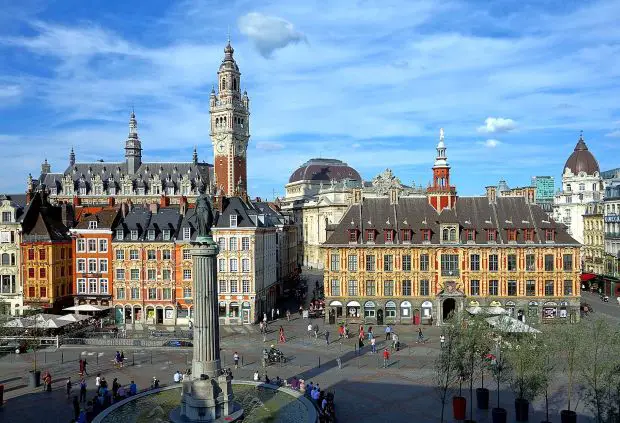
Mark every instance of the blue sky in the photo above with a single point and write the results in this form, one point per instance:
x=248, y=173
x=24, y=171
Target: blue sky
x=367, y=82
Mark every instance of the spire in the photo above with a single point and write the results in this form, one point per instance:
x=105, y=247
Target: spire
x=581, y=143
x=195, y=156
x=133, y=126
x=72, y=157
x=45, y=167
x=441, y=160
x=133, y=146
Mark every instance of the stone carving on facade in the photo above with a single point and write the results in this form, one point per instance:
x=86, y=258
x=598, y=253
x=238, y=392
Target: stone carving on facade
x=384, y=181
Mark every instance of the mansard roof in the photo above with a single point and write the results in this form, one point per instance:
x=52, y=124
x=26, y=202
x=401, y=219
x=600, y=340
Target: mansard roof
x=106, y=219
x=473, y=213
x=43, y=221
x=143, y=219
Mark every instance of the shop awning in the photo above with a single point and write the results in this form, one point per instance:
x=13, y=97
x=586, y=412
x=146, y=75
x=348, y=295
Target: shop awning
x=585, y=277
x=510, y=324
x=87, y=307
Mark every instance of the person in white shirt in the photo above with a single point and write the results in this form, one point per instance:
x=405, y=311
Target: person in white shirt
x=98, y=381
x=256, y=376
x=177, y=377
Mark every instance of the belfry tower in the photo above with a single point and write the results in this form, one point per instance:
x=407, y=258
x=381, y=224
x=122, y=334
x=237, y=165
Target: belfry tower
x=230, y=128
x=440, y=193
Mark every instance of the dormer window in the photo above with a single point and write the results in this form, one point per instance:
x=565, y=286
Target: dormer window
x=512, y=235
x=166, y=234
x=370, y=235
x=53, y=191
x=187, y=232
x=151, y=235
x=549, y=235
x=233, y=220
x=92, y=224
x=448, y=234
x=528, y=235
x=352, y=235
x=426, y=235
x=120, y=234
x=406, y=235
x=82, y=191
x=491, y=235
x=470, y=235
x=134, y=234
x=389, y=235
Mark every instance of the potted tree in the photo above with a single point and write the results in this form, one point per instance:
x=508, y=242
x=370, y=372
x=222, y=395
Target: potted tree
x=570, y=338
x=475, y=336
x=498, y=367
x=547, y=368
x=34, y=375
x=525, y=372
x=446, y=366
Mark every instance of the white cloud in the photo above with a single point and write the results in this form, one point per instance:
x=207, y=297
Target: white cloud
x=356, y=145
x=268, y=33
x=492, y=125
x=490, y=143
x=10, y=91
x=613, y=134
x=269, y=146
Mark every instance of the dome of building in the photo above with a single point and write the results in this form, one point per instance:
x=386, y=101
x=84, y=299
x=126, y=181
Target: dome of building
x=582, y=160
x=324, y=170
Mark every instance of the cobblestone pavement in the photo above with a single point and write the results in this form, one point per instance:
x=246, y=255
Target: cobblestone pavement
x=364, y=390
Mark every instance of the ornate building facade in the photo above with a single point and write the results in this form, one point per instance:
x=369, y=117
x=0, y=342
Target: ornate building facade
x=103, y=183
x=416, y=260
x=230, y=128
x=593, y=251
x=11, y=213
x=581, y=185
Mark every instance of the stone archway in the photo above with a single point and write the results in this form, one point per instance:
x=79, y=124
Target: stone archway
x=448, y=307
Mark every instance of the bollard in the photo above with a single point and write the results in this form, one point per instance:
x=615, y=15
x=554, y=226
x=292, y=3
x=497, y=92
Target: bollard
x=62, y=357
x=97, y=359
x=133, y=358
x=151, y=356
x=241, y=361
x=319, y=361
x=45, y=356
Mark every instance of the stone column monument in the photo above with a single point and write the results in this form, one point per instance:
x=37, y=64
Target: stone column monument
x=207, y=397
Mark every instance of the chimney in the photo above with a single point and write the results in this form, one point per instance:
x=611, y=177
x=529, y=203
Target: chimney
x=111, y=201
x=124, y=209
x=77, y=201
x=491, y=193
x=183, y=205
x=66, y=213
x=153, y=207
x=164, y=201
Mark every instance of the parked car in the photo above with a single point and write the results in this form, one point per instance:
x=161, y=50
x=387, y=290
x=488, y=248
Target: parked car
x=178, y=343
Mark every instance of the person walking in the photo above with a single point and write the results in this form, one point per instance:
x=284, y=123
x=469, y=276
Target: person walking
x=370, y=334
x=282, y=338
x=277, y=313
x=68, y=386
x=309, y=330
x=373, y=345
x=420, y=336
x=340, y=332
x=236, y=359
x=273, y=312
x=386, y=357
x=388, y=332
x=83, y=390
x=316, y=331
x=98, y=381
x=442, y=340
x=265, y=319
x=301, y=310
x=326, y=336
x=288, y=315
x=360, y=343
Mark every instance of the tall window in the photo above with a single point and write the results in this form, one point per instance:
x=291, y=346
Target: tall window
x=388, y=288
x=120, y=254
x=512, y=288
x=406, y=287
x=134, y=234
x=166, y=254
x=245, y=265
x=491, y=235
x=370, y=288
x=222, y=286
x=245, y=243
x=474, y=287
x=548, y=262
x=103, y=266
x=352, y=263
x=166, y=234
x=335, y=287
x=221, y=242
x=406, y=263
x=233, y=286
x=512, y=235
x=120, y=292
x=549, y=235
x=80, y=246
x=81, y=265
x=151, y=274
x=233, y=220
x=43, y=292
x=233, y=265
x=135, y=274
x=568, y=287
x=493, y=263
x=424, y=287
x=352, y=288
x=388, y=262
x=150, y=255
x=92, y=245
x=335, y=262
x=450, y=264
x=135, y=293
x=92, y=265
x=474, y=262
x=187, y=255
x=166, y=274
x=549, y=289
x=133, y=254
x=187, y=274
x=187, y=233
x=103, y=286
x=493, y=287
x=530, y=288
x=81, y=286
x=120, y=274
x=232, y=242
x=370, y=263
x=150, y=234
x=42, y=272
x=221, y=265
x=187, y=292
x=530, y=262
x=424, y=261
x=512, y=262
x=92, y=286
x=567, y=261
x=166, y=294
x=103, y=245
x=245, y=286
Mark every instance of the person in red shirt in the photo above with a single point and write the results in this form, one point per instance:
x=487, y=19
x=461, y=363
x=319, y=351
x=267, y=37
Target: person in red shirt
x=386, y=357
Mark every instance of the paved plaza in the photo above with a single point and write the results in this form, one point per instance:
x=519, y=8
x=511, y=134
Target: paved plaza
x=364, y=390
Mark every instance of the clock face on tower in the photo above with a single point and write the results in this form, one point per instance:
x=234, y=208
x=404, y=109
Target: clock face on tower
x=221, y=147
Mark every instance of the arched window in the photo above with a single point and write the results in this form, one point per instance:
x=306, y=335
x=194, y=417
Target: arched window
x=593, y=187
x=223, y=83
x=582, y=187
x=568, y=187
x=12, y=259
x=445, y=234
x=5, y=259
x=452, y=234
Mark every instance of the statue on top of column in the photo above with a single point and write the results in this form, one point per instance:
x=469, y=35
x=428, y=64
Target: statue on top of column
x=204, y=215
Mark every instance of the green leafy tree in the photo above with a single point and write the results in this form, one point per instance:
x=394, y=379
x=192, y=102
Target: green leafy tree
x=526, y=361
x=569, y=340
x=447, y=364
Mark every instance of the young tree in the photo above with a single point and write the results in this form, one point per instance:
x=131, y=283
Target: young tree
x=447, y=364
x=569, y=340
x=475, y=343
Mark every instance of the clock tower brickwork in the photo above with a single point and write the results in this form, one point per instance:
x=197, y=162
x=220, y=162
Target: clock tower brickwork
x=230, y=128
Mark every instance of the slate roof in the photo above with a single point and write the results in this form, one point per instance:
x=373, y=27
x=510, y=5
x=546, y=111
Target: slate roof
x=470, y=213
x=43, y=222
x=106, y=219
x=18, y=201
x=324, y=170
x=581, y=160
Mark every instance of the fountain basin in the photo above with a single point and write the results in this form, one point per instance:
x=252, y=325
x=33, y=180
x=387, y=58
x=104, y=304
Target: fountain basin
x=260, y=403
